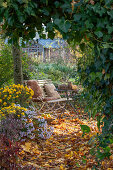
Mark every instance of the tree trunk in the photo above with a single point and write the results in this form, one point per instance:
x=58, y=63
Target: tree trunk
x=18, y=76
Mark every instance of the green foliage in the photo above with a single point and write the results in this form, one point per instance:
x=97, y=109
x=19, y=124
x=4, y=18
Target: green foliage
x=6, y=65
x=27, y=65
x=85, y=129
x=57, y=72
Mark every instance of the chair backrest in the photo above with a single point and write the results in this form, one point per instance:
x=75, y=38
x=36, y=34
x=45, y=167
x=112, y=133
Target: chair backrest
x=40, y=83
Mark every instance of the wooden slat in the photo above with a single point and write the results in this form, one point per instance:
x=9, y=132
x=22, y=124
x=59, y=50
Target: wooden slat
x=59, y=100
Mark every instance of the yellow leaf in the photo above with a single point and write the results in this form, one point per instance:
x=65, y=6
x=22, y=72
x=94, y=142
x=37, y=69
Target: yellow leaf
x=26, y=147
x=36, y=151
x=111, y=157
x=67, y=156
x=62, y=167
x=47, y=165
x=103, y=163
x=71, y=153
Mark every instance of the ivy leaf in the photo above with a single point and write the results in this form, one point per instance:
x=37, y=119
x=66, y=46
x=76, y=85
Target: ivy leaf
x=46, y=12
x=85, y=128
x=20, y=1
x=57, y=4
x=89, y=24
x=62, y=24
x=28, y=10
x=15, y=6
x=99, y=34
x=10, y=20
x=77, y=17
x=110, y=29
x=57, y=21
x=65, y=26
x=21, y=18
x=110, y=13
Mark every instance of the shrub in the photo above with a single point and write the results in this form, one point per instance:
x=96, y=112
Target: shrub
x=57, y=72
x=11, y=112
x=15, y=94
x=6, y=65
x=16, y=121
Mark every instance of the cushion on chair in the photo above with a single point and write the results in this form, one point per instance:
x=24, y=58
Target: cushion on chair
x=50, y=90
x=38, y=92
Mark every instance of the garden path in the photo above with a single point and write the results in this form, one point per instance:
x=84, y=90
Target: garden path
x=66, y=149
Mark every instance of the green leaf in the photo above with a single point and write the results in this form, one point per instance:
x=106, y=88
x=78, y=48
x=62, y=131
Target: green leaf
x=15, y=6
x=77, y=17
x=92, y=76
x=46, y=12
x=111, y=56
x=57, y=21
x=20, y=1
x=84, y=161
x=62, y=24
x=98, y=121
x=85, y=128
x=57, y=4
x=21, y=18
x=65, y=27
x=99, y=75
x=6, y=13
x=107, y=76
x=77, y=164
x=28, y=10
x=107, y=45
x=99, y=34
x=10, y=20
x=89, y=24
x=110, y=13
x=110, y=29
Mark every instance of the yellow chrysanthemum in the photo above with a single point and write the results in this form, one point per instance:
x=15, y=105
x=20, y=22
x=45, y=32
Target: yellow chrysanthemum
x=3, y=115
x=23, y=113
x=4, y=103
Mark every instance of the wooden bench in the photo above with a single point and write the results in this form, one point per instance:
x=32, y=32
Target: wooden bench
x=50, y=105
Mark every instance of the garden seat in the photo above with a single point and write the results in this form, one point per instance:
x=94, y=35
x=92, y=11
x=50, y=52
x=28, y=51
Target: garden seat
x=45, y=96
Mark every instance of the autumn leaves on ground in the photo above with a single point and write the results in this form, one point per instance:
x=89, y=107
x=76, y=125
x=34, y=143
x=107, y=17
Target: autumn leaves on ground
x=67, y=148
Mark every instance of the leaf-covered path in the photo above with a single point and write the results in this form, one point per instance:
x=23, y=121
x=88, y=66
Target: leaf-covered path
x=66, y=149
